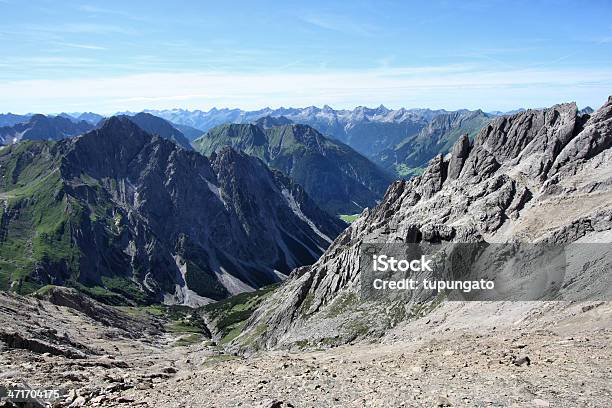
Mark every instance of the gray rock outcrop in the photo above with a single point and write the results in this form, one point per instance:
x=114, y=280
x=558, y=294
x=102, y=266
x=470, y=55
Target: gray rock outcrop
x=459, y=154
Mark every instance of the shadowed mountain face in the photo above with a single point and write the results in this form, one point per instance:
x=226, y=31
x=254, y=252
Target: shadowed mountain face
x=41, y=127
x=337, y=178
x=540, y=176
x=160, y=127
x=130, y=217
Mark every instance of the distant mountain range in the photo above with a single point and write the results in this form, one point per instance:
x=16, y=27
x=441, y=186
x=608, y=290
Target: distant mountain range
x=366, y=130
x=10, y=119
x=338, y=179
x=41, y=127
x=62, y=126
x=381, y=134
x=129, y=217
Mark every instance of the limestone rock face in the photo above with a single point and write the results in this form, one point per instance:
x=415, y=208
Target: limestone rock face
x=433, y=178
x=459, y=154
x=536, y=176
x=530, y=140
x=594, y=138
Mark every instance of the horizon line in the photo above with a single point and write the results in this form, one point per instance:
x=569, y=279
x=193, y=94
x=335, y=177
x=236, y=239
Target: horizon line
x=215, y=108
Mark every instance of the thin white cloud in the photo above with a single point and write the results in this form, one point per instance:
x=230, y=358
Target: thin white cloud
x=81, y=46
x=451, y=87
x=97, y=10
x=79, y=28
x=48, y=62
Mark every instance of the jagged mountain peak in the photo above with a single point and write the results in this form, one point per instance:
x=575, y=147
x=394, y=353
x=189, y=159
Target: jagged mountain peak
x=119, y=130
x=161, y=127
x=119, y=124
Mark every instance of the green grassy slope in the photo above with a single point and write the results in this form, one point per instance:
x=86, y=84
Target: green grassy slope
x=40, y=218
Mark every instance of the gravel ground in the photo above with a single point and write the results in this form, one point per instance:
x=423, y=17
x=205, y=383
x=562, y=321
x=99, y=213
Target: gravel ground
x=562, y=362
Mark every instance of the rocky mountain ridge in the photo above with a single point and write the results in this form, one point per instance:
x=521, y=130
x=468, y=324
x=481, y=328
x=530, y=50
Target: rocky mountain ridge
x=160, y=127
x=537, y=176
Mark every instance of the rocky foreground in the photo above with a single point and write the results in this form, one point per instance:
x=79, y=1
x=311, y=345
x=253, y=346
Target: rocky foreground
x=473, y=354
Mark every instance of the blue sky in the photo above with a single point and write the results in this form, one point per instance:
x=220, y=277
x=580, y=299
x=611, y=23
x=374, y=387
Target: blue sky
x=131, y=55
